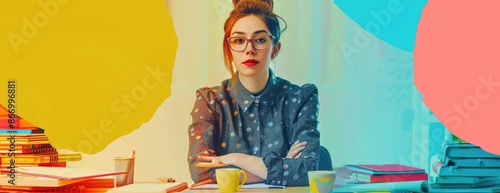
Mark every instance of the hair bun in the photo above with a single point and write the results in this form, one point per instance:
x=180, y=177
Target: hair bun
x=268, y=2
x=235, y=2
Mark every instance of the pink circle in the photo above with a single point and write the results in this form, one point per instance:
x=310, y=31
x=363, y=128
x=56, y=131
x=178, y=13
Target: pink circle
x=457, y=68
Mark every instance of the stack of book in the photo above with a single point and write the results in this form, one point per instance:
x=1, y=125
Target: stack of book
x=464, y=167
x=27, y=145
x=29, y=163
x=366, y=173
x=380, y=178
x=55, y=179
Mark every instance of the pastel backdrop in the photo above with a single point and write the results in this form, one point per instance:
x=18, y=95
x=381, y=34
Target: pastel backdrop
x=370, y=110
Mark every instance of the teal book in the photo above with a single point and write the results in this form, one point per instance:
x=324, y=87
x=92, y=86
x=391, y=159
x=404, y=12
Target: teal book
x=479, y=182
x=461, y=179
x=492, y=189
x=442, y=171
x=470, y=162
x=453, y=149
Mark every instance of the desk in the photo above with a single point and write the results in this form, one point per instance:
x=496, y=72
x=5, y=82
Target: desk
x=304, y=189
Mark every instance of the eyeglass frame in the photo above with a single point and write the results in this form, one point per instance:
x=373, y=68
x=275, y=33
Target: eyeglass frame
x=248, y=40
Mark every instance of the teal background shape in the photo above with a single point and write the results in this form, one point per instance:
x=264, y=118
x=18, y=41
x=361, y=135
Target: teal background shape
x=393, y=21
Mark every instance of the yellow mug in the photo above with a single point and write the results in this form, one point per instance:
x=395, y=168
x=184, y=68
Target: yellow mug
x=228, y=179
x=321, y=181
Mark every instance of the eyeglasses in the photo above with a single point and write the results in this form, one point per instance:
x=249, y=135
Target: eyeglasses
x=259, y=42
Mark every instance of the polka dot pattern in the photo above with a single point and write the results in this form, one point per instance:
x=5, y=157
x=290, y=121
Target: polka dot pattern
x=259, y=125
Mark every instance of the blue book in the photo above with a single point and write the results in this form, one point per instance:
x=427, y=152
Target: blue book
x=453, y=149
x=470, y=162
x=465, y=190
x=482, y=182
x=21, y=131
x=461, y=179
x=442, y=170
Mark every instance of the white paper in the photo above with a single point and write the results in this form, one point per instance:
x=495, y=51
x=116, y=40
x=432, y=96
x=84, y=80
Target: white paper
x=148, y=188
x=64, y=173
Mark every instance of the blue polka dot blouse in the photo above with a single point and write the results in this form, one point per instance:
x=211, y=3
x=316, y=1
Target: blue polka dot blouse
x=229, y=119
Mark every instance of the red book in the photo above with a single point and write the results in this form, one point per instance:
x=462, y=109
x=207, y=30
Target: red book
x=397, y=178
x=29, y=151
x=385, y=169
x=370, y=178
x=19, y=123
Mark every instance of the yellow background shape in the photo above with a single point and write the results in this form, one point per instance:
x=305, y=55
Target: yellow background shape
x=86, y=71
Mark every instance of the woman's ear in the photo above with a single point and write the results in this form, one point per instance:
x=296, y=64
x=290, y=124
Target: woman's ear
x=276, y=50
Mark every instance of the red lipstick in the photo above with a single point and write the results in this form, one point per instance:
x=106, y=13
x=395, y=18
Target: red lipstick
x=250, y=62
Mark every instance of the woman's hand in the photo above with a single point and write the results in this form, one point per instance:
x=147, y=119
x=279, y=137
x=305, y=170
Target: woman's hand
x=296, y=149
x=207, y=155
x=228, y=159
x=254, y=166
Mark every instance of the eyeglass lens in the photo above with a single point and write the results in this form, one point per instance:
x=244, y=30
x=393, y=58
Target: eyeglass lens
x=258, y=42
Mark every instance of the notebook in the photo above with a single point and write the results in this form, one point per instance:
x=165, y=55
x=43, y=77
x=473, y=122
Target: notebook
x=150, y=188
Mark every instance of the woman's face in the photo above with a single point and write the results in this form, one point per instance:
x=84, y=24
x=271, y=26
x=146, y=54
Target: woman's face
x=252, y=60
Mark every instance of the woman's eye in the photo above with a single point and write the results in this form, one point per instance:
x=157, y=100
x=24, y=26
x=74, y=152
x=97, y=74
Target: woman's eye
x=238, y=40
x=260, y=40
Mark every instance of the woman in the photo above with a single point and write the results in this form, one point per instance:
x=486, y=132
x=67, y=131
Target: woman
x=255, y=121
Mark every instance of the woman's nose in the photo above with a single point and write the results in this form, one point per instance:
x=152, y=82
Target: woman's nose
x=250, y=49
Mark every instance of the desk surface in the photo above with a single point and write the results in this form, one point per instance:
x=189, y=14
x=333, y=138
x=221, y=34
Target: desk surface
x=288, y=190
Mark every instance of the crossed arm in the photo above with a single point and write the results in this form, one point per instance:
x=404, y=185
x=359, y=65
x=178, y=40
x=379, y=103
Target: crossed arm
x=255, y=167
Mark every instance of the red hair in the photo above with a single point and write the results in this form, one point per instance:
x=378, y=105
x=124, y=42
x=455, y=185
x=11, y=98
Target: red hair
x=262, y=9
